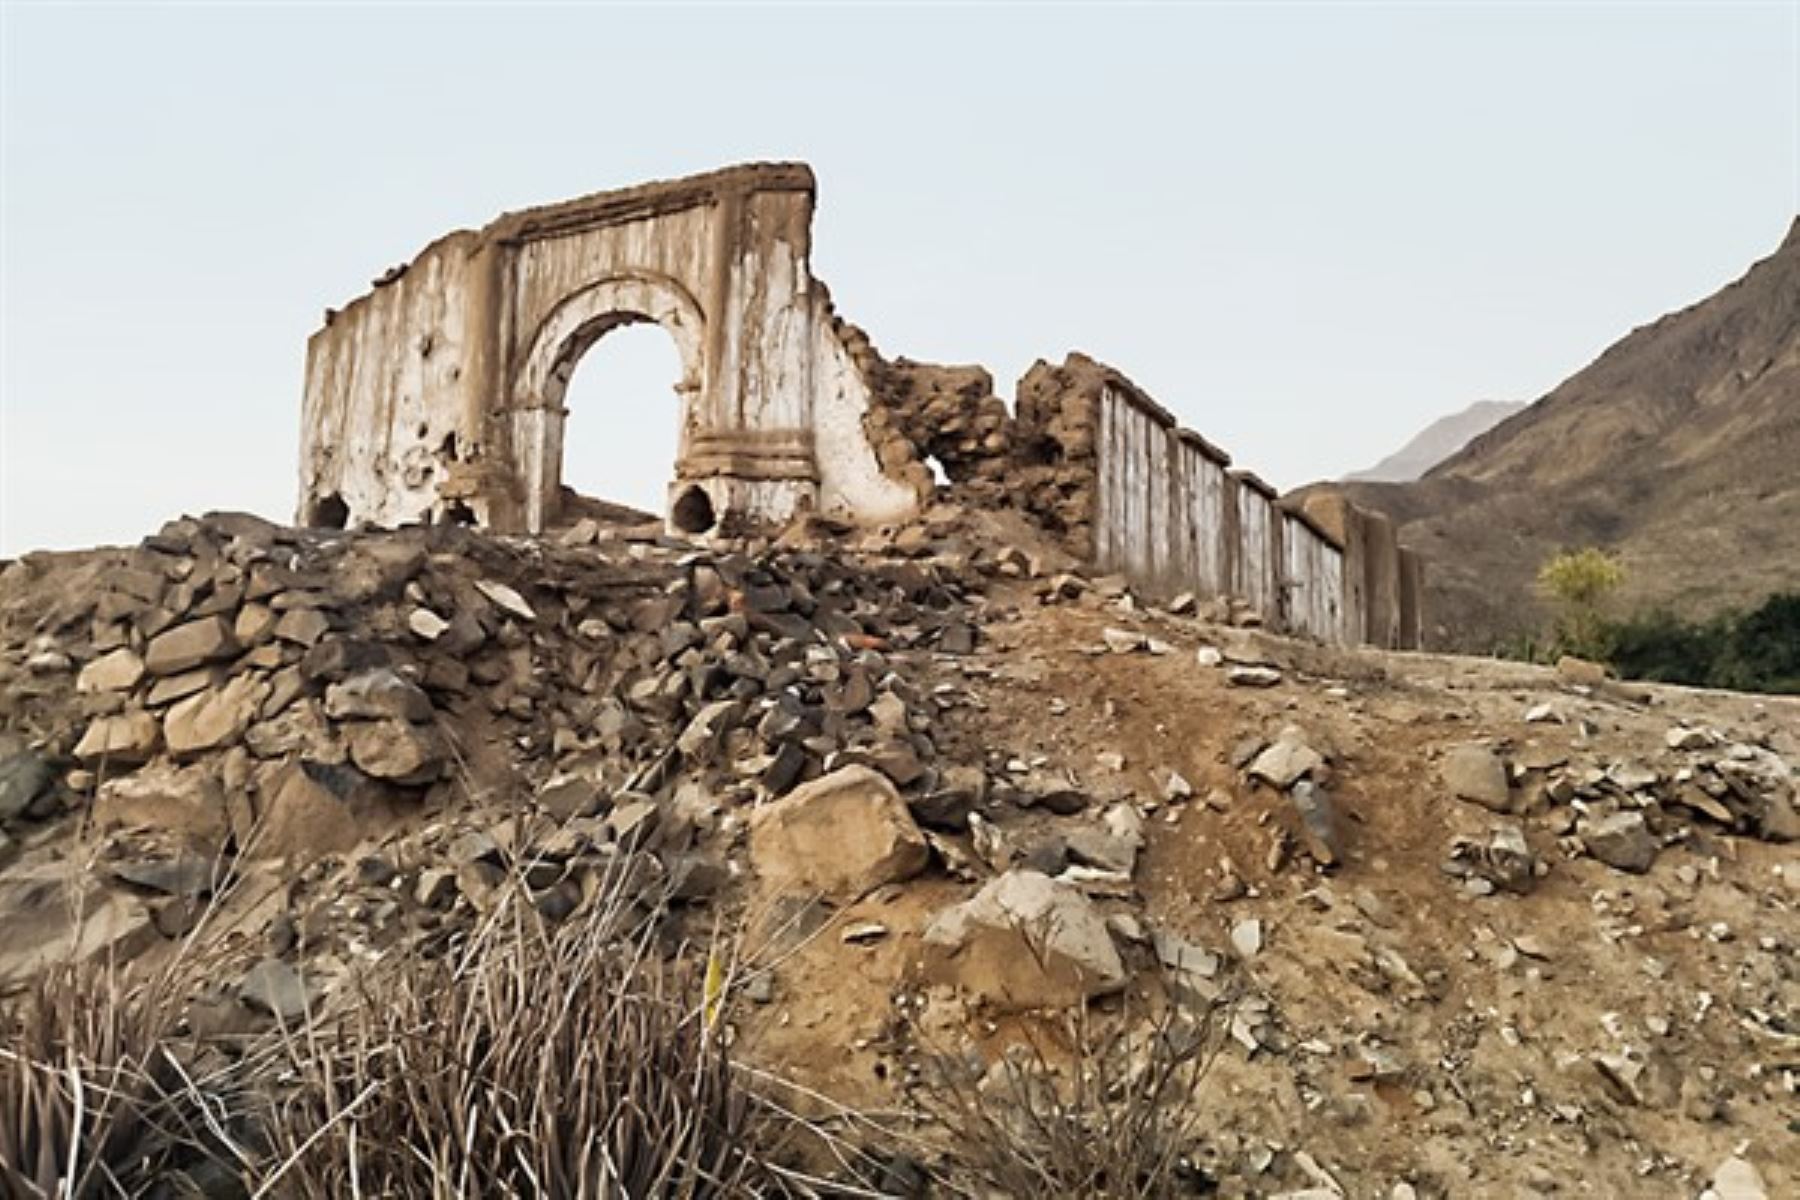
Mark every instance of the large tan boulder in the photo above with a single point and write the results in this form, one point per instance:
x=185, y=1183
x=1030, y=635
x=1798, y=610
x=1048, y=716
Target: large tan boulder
x=213, y=718
x=840, y=836
x=188, y=800
x=305, y=810
x=1025, y=941
x=118, y=671
x=128, y=737
x=1475, y=773
x=397, y=751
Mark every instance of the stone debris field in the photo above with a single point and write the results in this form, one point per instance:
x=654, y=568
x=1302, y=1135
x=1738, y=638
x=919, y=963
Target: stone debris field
x=1457, y=927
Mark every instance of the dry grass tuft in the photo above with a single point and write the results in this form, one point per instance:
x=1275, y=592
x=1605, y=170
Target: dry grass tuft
x=569, y=1061
x=92, y=1101
x=1118, y=1124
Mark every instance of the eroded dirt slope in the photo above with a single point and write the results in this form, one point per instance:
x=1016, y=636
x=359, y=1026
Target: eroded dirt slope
x=1459, y=927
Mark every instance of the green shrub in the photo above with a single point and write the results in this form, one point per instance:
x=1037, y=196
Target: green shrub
x=1756, y=652
x=1578, y=583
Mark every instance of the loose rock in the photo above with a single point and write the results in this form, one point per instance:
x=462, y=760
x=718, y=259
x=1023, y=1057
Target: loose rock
x=1623, y=841
x=841, y=835
x=1025, y=941
x=1476, y=773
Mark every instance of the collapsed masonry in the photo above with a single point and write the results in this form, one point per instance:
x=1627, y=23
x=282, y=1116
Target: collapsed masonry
x=438, y=396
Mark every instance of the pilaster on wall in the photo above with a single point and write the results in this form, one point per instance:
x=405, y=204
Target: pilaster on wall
x=1412, y=608
x=1347, y=525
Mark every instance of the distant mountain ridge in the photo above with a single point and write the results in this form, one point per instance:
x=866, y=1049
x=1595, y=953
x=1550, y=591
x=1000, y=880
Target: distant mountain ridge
x=1678, y=448
x=1438, y=441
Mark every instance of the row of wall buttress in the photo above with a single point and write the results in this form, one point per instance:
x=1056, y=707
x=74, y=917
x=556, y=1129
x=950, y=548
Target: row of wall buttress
x=1159, y=505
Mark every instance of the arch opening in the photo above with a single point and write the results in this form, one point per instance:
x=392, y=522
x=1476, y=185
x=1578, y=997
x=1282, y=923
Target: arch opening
x=618, y=384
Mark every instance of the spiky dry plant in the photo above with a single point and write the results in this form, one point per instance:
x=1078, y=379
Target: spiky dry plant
x=91, y=1101
x=535, y=1060
x=1119, y=1123
x=99, y=1095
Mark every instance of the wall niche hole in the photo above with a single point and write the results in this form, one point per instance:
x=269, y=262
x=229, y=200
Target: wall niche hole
x=329, y=512
x=693, y=511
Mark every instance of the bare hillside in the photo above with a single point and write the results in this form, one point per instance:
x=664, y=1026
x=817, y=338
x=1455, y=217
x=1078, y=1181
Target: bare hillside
x=1437, y=442
x=1677, y=448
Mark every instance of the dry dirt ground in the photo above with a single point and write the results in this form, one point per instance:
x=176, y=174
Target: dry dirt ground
x=1387, y=1024
x=1424, y=1036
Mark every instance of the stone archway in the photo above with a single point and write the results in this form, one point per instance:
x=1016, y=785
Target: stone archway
x=539, y=416
x=439, y=393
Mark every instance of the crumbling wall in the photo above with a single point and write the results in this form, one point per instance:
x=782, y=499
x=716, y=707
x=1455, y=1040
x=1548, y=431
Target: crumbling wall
x=441, y=394
x=1098, y=461
x=386, y=414
x=1055, y=448
x=869, y=472
x=925, y=414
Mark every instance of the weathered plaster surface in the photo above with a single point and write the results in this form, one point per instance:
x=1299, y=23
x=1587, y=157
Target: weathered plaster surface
x=1314, y=578
x=1097, y=459
x=440, y=394
x=1257, y=566
x=386, y=390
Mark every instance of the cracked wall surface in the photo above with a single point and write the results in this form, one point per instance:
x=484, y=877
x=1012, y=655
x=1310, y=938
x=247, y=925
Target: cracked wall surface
x=439, y=395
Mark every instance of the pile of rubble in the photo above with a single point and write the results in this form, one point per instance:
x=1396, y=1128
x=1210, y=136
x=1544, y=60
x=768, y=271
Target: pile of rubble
x=231, y=692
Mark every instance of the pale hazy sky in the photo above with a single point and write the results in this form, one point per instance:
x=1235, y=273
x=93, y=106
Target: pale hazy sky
x=1307, y=229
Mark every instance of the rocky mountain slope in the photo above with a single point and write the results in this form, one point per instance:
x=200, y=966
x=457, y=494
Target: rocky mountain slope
x=1677, y=448
x=1450, y=927
x=1437, y=441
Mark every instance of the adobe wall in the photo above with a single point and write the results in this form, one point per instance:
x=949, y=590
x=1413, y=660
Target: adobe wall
x=1383, y=582
x=385, y=419
x=1349, y=528
x=1098, y=461
x=1313, y=577
x=440, y=393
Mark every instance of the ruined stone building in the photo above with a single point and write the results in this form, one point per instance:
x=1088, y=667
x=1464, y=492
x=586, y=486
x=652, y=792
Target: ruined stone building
x=439, y=396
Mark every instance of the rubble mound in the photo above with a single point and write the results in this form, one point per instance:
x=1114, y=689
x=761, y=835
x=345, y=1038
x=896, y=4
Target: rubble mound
x=1455, y=927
